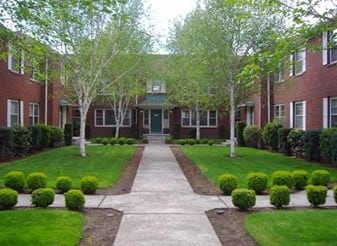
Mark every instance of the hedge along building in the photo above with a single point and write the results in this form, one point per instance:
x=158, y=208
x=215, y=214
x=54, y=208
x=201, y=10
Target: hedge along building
x=302, y=96
x=25, y=98
x=153, y=114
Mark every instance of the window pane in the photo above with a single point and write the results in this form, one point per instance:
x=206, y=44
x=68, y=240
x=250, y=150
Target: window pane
x=109, y=117
x=334, y=121
x=166, y=114
x=212, y=118
x=333, y=106
x=126, y=120
x=36, y=110
x=14, y=120
x=14, y=107
x=99, y=117
x=299, y=109
x=203, y=119
x=299, y=122
x=194, y=120
x=186, y=117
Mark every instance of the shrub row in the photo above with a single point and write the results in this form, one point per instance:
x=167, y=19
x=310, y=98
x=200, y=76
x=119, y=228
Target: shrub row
x=15, y=180
x=19, y=141
x=258, y=181
x=313, y=145
x=192, y=141
x=113, y=141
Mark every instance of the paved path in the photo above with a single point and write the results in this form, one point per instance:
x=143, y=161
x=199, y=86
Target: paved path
x=162, y=208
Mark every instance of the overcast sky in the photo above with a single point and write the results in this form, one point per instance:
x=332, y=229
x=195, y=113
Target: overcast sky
x=163, y=12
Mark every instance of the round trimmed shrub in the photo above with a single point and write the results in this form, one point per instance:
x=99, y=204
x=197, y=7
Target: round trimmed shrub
x=43, y=197
x=105, y=141
x=204, y=141
x=279, y=195
x=197, y=141
x=182, y=141
x=300, y=179
x=130, y=141
x=113, y=141
x=316, y=194
x=89, y=184
x=15, y=180
x=121, y=141
x=320, y=177
x=74, y=200
x=8, y=198
x=210, y=142
x=228, y=183
x=335, y=193
x=282, y=178
x=98, y=140
x=64, y=183
x=243, y=198
x=257, y=181
x=191, y=141
x=36, y=180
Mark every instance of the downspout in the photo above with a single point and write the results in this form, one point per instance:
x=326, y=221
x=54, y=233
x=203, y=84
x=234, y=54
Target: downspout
x=46, y=95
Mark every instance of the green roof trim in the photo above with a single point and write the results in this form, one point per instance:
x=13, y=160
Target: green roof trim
x=154, y=100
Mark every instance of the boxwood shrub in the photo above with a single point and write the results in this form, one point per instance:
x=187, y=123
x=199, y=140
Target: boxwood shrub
x=36, y=180
x=257, y=181
x=63, y=183
x=316, y=194
x=301, y=178
x=43, y=197
x=320, y=177
x=210, y=142
x=8, y=198
x=22, y=139
x=191, y=141
x=45, y=136
x=113, y=141
x=270, y=135
x=311, y=145
x=105, y=141
x=130, y=141
x=35, y=140
x=227, y=183
x=284, y=146
x=74, y=200
x=89, y=184
x=122, y=141
x=282, y=178
x=6, y=142
x=204, y=141
x=279, y=195
x=252, y=136
x=56, y=136
x=240, y=126
x=243, y=198
x=182, y=141
x=15, y=180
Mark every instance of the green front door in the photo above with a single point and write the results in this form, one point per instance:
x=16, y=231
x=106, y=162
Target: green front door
x=156, y=120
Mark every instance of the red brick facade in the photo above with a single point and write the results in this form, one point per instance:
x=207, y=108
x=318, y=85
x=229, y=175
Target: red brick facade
x=317, y=83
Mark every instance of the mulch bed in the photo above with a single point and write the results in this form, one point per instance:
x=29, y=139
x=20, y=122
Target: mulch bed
x=101, y=225
x=228, y=226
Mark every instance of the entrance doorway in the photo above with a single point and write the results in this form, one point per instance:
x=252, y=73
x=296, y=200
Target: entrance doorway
x=156, y=120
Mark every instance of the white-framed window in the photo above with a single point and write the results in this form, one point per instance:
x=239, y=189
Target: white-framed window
x=330, y=112
x=298, y=62
x=279, y=74
x=156, y=86
x=207, y=118
x=34, y=72
x=298, y=115
x=33, y=114
x=15, y=59
x=14, y=112
x=106, y=118
x=279, y=113
x=329, y=43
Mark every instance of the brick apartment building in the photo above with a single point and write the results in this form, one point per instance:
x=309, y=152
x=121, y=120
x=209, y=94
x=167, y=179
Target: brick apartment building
x=24, y=100
x=303, y=96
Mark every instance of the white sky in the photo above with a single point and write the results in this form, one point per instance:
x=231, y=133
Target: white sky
x=162, y=14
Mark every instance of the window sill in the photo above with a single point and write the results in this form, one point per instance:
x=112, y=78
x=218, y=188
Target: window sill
x=200, y=126
x=110, y=126
x=34, y=81
x=15, y=72
x=331, y=64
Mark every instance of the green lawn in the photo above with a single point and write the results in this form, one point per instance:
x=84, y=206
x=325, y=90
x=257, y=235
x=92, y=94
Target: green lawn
x=40, y=227
x=301, y=227
x=104, y=162
x=214, y=161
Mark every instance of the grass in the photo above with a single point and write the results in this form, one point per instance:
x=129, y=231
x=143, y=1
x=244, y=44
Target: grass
x=40, y=227
x=300, y=227
x=214, y=161
x=104, y=162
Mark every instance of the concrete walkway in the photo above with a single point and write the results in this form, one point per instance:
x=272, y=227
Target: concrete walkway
x=162, y=208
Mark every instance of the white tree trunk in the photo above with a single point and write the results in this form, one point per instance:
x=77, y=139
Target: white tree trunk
x=82, y=133
x=232, y=121
x=197, y=116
